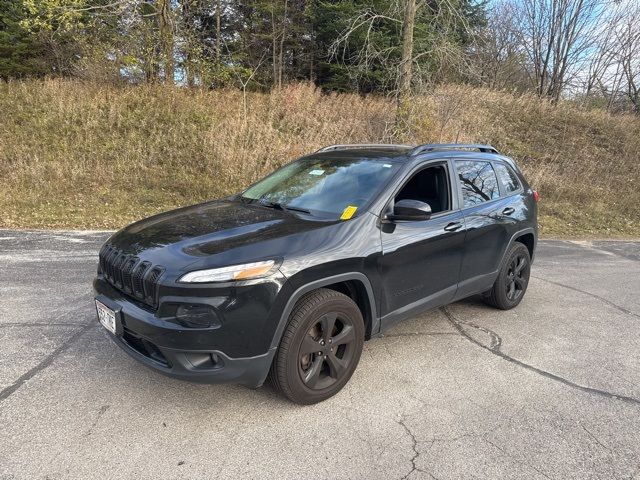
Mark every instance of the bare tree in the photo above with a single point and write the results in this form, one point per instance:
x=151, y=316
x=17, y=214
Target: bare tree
x=283, y=35
x=218, y=31
x=601, y=60
x=406, y=62
x=556, y=35
x=370, y=52
x=496, y=60
x=628, y=36
x=444, y=15
x=278, y=37
x=164, y=17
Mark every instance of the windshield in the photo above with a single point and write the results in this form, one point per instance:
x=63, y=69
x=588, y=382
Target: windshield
x=333, y=187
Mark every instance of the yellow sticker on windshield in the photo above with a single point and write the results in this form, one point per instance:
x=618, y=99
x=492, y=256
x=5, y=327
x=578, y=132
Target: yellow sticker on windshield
x=348, y=212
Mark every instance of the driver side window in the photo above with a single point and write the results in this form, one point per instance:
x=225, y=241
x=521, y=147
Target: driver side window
x=430, y=185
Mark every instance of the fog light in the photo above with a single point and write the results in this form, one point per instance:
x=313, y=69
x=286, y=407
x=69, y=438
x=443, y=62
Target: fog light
x=197, y=316
x=204, y=361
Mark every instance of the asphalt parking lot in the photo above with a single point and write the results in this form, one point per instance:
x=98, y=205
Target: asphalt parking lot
x=548, y=390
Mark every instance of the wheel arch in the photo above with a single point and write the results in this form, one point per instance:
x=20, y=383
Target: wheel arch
x=355, y=285
x=529, y=241
x=526, y=236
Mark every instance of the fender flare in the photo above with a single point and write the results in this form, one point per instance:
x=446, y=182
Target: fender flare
x=322, y=282
x=519, y=233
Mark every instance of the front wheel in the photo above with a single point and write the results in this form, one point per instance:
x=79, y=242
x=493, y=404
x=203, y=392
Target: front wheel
x=513, y=279
x=320, y=347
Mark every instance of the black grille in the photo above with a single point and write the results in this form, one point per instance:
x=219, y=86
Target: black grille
x=131, y=276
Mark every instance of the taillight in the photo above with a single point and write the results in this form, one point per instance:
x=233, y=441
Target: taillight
x=536, y=196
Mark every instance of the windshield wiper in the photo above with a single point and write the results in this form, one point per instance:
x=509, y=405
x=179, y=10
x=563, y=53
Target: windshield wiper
x=296, y=209
x=281, y=206
x=268, y=204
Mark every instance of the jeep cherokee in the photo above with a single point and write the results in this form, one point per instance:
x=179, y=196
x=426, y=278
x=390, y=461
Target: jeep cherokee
x=288, y=279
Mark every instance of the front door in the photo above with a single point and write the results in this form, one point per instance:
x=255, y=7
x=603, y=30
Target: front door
x=420, y=260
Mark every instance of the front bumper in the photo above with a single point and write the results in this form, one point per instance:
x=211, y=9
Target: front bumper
x=250, y=371
x=169, y=348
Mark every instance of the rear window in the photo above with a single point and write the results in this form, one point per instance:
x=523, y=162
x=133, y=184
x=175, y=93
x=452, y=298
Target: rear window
x=478, y=181
x=508, y=178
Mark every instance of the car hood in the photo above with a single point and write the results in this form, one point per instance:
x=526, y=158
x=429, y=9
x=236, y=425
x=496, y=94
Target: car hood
x=209, y=229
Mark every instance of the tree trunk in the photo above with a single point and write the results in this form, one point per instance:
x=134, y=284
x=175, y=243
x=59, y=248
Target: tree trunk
x=189, y=41
x=274, y=47
x=218, y=31
x=150, y=60
x=312, y=55
x=165, y=25
x=189, y=74
x=406, y=64
x=633, y=92
x=283, y=34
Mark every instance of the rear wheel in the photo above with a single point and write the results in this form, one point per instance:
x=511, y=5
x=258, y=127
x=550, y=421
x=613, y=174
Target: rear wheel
x=320, y=347
x=510, y=286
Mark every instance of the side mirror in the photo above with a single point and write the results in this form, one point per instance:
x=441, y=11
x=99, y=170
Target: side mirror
x=410, y=210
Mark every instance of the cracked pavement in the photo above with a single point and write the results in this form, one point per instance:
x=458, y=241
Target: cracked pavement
x=548, y=390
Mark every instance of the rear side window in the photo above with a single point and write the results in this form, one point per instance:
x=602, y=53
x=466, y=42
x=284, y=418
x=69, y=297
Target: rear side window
x=478, y=181
x=508, y=178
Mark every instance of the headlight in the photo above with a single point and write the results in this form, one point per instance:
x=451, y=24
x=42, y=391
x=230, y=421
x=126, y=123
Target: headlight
x=227, y=274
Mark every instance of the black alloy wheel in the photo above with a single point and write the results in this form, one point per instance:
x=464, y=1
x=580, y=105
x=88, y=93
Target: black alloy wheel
x=326, y=351
x=517, y=277
x=510, y=286
x=320, y=347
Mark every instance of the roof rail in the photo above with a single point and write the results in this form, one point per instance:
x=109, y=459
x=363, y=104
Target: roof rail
x=430, y=147
x=361, y=145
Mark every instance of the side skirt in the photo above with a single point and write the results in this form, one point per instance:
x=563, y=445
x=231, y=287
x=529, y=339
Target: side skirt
x=429, y=303
x=478, y=284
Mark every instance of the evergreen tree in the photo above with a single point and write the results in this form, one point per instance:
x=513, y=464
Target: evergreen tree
x=21, y=54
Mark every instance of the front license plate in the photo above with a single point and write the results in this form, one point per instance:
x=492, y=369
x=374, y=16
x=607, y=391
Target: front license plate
x=106, y=316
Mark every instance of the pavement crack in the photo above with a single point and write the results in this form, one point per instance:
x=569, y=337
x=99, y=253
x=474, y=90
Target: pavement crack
x=504, y=452
x=458, y=324
x=496, y=340
x=48, y=360
x=417, y=334
x=594, y=438
x=414, y=446
x=101, y=411
x=593, y=295
x=39, y=324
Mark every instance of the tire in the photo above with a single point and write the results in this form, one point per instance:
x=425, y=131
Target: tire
x=320, y=347
x=510, y=286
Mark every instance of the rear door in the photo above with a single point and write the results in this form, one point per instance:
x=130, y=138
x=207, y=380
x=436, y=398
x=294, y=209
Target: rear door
x=491, y=216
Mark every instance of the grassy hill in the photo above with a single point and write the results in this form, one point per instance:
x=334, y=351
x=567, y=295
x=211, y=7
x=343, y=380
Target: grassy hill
x=76, y=155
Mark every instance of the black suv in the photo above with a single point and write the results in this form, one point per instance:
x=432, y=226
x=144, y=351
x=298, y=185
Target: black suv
x=290, y=277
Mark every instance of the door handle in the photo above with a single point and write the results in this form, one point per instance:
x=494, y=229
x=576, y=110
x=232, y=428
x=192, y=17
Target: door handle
x=453, y=226
x=508, y=211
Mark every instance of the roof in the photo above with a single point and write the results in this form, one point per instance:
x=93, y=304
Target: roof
x=439, y=150
x=367, y=150
x=410, y=150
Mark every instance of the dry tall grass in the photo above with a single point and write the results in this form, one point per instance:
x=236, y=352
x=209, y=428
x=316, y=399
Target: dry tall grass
x=91, y=156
